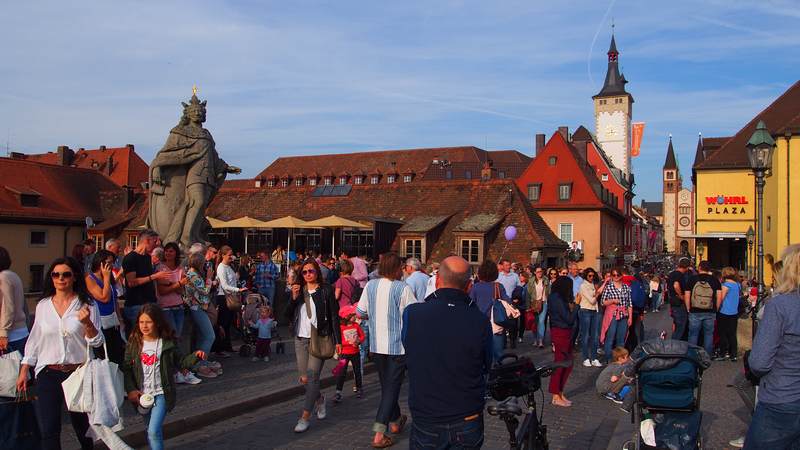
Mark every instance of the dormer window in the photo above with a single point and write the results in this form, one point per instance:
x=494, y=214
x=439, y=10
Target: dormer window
x=271, y=183
x=328, y=181
x=359, y=179
x=343, y=179
x=312, y=181
x=29, y=200
x=407, y=178
x=604, y=177
x=298, y=181
x=391, y=179
x=284, y=182
x=375, y=179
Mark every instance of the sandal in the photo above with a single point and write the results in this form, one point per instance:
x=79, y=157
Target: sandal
x=401, y=423
x=384, y=443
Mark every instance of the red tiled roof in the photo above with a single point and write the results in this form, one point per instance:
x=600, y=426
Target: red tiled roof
x=128, y=169
x=66, y=193
x=778, y=116
x=402, y=202
x=417, y=161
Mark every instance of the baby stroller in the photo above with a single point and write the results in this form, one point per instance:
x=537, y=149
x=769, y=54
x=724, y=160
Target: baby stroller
x=250, y=307
x=668, y=377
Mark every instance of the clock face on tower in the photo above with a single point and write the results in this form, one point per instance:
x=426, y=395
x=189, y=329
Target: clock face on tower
x=611, y=126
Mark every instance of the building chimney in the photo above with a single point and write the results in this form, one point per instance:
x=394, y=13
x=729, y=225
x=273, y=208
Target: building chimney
x=65, y=156
x=102, y=148
x=539, y=143
x=129, y=146
x=564, y=132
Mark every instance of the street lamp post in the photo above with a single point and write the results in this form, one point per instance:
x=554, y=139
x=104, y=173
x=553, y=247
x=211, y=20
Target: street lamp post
x=750, y=236
x=759, y=151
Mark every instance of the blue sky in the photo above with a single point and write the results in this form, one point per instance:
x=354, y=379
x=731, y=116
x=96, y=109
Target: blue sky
x=290, y=78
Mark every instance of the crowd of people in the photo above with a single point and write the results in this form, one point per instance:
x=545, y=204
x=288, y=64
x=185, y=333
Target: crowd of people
x=136, y=301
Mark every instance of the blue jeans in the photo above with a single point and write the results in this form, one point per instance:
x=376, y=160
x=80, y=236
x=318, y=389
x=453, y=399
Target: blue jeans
x=174, y=316
x=542, y=322
x=680, y=317
x=268, y=292
x=364, y=349
x=205, y=332
x=615, y=336
x=154, y=421
x=656, y=300
x=391, y=372
x=129, y=315
x=588, y=319
x=458, y=435
x=706, y=322
x=774, y=427
x=498, y=341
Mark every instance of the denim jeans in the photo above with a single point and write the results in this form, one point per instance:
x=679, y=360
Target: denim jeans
x=540, y=327
x=129, y=315
x=391, y=371
x=498, y=342
x=680, y=318
x=310, y=367
x=615, y=336
x=704, y=321
x=464, y=434
x=656, y=300
x=364, y=349
x=205, y=332
x=588, y=319
x=174, y=316
x=154, y=421
x=774, y=426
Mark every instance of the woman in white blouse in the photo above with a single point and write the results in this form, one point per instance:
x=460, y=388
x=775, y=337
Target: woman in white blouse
x=66, y=321
x=228, y=284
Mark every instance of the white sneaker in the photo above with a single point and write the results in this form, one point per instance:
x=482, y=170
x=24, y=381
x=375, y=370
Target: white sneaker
x=266, y=359
x=587, y=363
x=596, y=363
x=738, y=443
x=519, y=340
x=254, y=359
x=179, y=378
x=191, y=379
x=302, y=425
x=322, y=411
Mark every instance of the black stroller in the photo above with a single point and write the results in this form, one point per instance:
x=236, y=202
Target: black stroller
x=668, y=377
x=250, y=308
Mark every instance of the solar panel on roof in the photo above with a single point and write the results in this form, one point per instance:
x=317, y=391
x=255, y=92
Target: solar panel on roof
x=341, y=190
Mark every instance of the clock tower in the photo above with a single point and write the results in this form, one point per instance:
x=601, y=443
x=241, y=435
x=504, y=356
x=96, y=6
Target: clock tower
x=613, y=109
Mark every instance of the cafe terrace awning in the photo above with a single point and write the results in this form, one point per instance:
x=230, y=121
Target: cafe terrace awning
x=335, y=221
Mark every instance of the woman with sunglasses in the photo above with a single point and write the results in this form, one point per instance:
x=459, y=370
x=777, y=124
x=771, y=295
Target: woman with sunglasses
x=539, y=288
x=312, y=304
x=618, y=315
x=228, y=284
x=587, y=297
x=66, y=321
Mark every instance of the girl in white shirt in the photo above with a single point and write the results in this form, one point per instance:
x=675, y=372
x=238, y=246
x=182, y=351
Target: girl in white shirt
x=66, y=321
x=228, y=284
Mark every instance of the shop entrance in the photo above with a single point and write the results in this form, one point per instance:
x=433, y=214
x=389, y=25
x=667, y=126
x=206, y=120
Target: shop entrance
x=727, y=252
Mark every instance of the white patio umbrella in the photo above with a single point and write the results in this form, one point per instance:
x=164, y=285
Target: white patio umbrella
x=336, y=222
x=246, y=222
x=291, y=223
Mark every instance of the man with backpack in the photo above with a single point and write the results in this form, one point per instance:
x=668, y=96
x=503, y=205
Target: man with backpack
x=639, y=302
x=702, y=299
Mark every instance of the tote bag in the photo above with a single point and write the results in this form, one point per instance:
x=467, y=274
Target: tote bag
x=9, y=371
x=321, y=347
x=78, y=386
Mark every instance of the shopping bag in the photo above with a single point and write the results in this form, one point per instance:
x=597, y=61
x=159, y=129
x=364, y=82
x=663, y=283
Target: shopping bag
x=9, y=371
x=18, y=426
x=78, y=387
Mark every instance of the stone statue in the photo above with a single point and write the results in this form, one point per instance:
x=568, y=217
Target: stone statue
x=184, y=177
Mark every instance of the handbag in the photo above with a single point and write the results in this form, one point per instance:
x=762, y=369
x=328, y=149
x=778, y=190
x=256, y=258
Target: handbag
x=19, y=428
x=499, y=315
x=78, y=389
x=211, y=311
x=536, y=304
x=9, y=371
x=234, y=301
x=319, y=346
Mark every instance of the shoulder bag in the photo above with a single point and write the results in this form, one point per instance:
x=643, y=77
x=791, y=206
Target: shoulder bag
x=322, y=347
x=233, y=300
x=499, y=315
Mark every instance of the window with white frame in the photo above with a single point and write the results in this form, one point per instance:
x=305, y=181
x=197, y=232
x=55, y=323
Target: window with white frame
x=565, y=232
x=133, y=240
x=285, y=182
x=38, y=238
x=328, y=181
x=534, y=192
x=298, y=181
x=98, y=241
x=604, y=177
x=406, y=178
x=413, y=248
x=564, y=191
x=358, y=179
x=375, y=179
x=391, y=179
x=312, y=181
x=270, y=183
x=470, y=250
x=343, y=179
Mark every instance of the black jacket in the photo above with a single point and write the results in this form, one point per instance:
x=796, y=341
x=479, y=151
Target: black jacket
x=327, y=309
x=561, y=315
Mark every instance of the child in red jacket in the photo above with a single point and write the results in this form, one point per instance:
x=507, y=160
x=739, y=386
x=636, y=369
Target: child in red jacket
x=352, y=337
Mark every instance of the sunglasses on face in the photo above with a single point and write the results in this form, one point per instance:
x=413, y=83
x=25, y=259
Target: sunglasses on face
x=615, y=275
x=563, y=274
x=61, y=275
x=309, y=272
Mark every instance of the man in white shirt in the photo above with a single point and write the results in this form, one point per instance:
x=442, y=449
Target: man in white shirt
x=431, y=287
x=415, y=278
x=507, y=278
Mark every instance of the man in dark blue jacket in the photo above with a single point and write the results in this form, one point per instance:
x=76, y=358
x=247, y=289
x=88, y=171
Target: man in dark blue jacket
x=448, y=345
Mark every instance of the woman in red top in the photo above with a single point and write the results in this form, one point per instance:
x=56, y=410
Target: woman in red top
x=352, y=337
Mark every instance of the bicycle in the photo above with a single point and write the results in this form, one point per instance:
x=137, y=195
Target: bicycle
x=517, y=380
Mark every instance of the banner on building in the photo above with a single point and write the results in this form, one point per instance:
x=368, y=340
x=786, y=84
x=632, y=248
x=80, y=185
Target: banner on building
x=638, y=131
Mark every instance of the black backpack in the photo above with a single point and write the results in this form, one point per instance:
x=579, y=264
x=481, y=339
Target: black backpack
x=357, y=292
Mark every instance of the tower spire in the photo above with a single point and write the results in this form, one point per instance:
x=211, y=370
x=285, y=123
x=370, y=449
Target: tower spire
x=614, y=83
x=670, y=163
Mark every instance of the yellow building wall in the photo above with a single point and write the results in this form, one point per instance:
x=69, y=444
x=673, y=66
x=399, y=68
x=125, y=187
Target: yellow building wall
x=16, y=239
x=738, y=209
x=781, y=213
